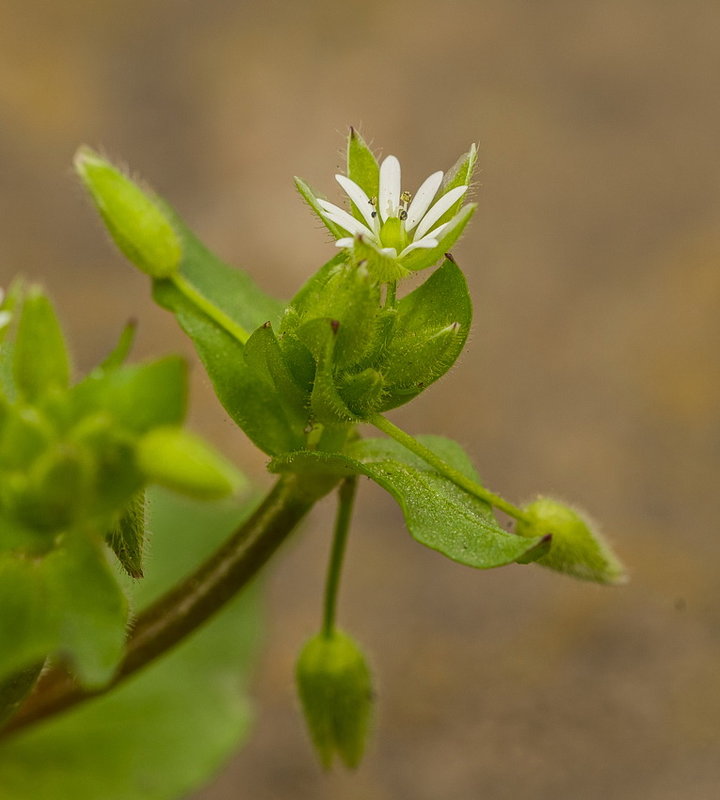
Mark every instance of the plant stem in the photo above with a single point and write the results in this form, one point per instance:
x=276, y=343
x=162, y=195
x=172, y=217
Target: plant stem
x=212, y=311
x=412, y=444
x=346, y=501
x=16, y=688
x=187, y=606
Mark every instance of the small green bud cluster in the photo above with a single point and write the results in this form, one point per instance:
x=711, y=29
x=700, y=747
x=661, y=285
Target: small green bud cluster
x=342, y=353
x=335, y=689
x=75, y=456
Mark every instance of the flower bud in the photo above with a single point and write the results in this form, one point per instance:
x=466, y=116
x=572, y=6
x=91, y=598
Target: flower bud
x=576, y=547
x=335, y=690
x=136, y=220
x=175, y=458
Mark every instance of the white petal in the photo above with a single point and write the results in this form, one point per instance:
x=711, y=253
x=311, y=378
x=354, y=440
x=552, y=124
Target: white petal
x=423, y=197
x=440, y=228
x=442, y=205
x=347, y=242
x=389, y=190
x=343, y=219
x=423, y=244
x=5, y=317
x=389, y=251
x=358, y=196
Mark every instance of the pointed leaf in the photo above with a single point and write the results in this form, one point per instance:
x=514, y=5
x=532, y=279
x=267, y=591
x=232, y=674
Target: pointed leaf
x=460, y=174
x=438, y=514
x=41, y=360
x=127, y=537
x=251, y=402
x=311, y=199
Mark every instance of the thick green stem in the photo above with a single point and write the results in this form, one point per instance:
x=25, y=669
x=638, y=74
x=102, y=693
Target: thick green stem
x=346, y=499
x=212, y=311
x=412, y=444
x=186, y=607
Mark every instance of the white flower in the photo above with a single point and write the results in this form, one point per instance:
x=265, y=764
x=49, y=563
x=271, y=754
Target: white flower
x=5, y=316
x=395, y=222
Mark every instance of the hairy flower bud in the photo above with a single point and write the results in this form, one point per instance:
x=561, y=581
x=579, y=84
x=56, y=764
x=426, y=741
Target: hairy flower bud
x=335, y=690
x=137, y=222
x=577, y=548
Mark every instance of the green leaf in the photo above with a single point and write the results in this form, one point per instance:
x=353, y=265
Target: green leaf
x=178, y=460
x=430, y=332
x=89, y=608
x=249, y=400
x=228, y=289
x=438, y=514
x=66, y=604
x=127, y=537
x=309, y=196
x=41, y=360
x=135, y=218
x=138, y=397
x=166, y=731
x=363, y=168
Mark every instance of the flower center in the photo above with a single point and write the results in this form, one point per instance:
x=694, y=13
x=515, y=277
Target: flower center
x=392, y=232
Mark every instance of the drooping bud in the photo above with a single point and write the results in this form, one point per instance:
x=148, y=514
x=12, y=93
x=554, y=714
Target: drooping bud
x=335, y=690
x=576, y=547
x=178, y=460
x=138, y=223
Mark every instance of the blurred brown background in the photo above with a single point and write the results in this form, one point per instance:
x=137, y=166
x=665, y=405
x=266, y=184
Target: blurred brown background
x=592, y=373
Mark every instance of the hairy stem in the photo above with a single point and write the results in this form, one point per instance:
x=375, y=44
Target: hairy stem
x=348, y=488
x=210, y=309
x=186, y=607
x=412, y=444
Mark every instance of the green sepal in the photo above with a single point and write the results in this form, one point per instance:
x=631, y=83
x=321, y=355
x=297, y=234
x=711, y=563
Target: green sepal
x=309, y=196
x=576, y=547
x=431, y=328
x=178, y=460
x=382, y=267
x=363, y=391
x=460, y=174
x=362, y=168
x=263, y=355
x=438, y=513
x=135, y=218
x=127, y=536
x=422, y=258
x=320, y=336
x=335, y=689
x=25, y=434
x=40, y=358
x=118, y=355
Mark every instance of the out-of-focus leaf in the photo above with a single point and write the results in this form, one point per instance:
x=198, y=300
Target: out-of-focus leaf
x=138, y=397
x=67, y=603
x=41, y=360
x=164, y=732
x=438, y=513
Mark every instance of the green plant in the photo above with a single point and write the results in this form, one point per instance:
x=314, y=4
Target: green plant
x=299, y=379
